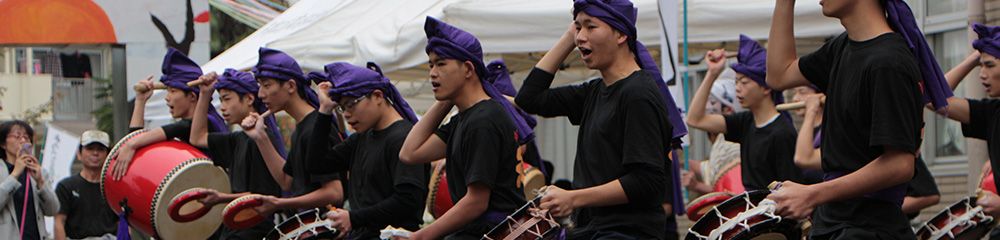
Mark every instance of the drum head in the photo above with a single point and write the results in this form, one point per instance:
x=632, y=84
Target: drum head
x=702, y=205
x=201, y=173
x=533, y=180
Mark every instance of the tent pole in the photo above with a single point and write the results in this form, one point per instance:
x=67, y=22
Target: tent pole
x=686, y=83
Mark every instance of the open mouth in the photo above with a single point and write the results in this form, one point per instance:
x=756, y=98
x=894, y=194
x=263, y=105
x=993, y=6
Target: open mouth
x=435, y=85
x=585, y=51
x=987, y=85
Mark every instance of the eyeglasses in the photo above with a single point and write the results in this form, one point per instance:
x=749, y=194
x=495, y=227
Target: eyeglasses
x=349, y=107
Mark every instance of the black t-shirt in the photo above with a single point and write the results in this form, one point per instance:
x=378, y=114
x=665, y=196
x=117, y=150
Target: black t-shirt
x=30, y=226
x=87, y=214
x=922, y=184
x=624, y=134
x=984, y=124
x=295, y=164
x=248, y=171
x=386, y=191
x=768, y=152
x=873, y=100
x=481, y=149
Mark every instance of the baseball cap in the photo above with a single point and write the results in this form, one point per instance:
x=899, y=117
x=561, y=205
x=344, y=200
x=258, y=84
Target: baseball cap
x=92, y=136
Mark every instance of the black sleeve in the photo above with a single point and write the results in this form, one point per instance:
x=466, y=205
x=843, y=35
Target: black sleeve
x=483, y=144
x=179, y=129
x=133, y=129
x=65, y=195
x=221, y=147
x=409, y=192
x=816, y=66
x=980, y=116
x=535, y=97
x=322, y=160
x=643, y=153
x=444, y=132
x=735, y=124
x=923, y=183
x=897, y=109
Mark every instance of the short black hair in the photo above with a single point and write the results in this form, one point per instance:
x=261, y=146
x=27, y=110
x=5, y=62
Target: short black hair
x=8, y=126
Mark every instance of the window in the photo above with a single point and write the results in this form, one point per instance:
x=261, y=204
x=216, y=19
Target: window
x=936, y=7
x=949, y=49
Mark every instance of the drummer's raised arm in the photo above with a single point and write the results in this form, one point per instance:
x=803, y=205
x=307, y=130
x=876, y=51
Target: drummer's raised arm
x=137, y=121
x=253, y=125
x=199, y=123
x=782, y=64
x=697, y=118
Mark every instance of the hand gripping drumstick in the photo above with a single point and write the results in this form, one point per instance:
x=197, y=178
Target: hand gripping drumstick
x=795, y=105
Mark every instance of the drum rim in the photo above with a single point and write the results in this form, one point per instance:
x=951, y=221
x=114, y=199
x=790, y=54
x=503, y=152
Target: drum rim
x=702, y=221
x=107, y=160
x=969, y=201
x=233, y=204
x=432, y=194
x=276, y=228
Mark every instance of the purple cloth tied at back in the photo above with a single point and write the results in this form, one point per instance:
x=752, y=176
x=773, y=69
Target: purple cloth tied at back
x=178, y=70
x=244, y=83
x=449, y=42
x=935, y=88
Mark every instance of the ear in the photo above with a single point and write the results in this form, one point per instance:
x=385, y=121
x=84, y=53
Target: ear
x=767, y=91
x=293, y=86
x=249, y=98
x=622, y=38
x=378, y=95
x=191, y=95
x=470, y=69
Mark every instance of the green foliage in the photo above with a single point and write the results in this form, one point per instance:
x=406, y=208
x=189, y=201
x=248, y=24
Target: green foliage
x=105, y=113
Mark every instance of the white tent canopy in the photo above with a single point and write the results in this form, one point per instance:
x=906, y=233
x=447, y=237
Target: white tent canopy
x=390, y=32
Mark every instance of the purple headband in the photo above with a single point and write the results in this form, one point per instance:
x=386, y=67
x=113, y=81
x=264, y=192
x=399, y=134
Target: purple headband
x=989, y=39
x=502, y=83
x=178, y=70
x=354, y=81
x=815, y=88
x=935, y=88
x=449, y=42
x=243, y=83
x=279, y=66
x=752, y=63
x=621, y=15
